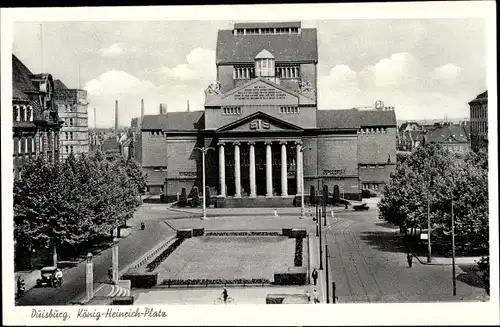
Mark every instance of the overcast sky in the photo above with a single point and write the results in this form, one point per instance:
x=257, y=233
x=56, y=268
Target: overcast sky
x=428, y=68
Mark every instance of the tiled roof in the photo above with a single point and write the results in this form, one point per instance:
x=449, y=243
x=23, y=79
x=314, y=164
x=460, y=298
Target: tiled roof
x=440, y=135
x=21, y=81
x=175, y=121
x=267, y=25
x=59, y=85
x=377, y=118
x=337, y=118
x=284, y=47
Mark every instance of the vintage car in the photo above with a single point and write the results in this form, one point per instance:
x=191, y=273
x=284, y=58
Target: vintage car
x=360, y=207
x=47, y=274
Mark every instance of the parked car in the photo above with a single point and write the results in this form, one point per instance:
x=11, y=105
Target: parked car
x=47, y=276
x=361, y=207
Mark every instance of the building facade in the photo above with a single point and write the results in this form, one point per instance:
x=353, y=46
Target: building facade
x=267, y=137
x=451, y=137
x=479, y=122
x=35, y=122
x=72, y=107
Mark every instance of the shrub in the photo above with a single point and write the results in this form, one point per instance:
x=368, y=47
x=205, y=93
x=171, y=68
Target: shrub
x=243, y=233
x=206, y=194
x=198, y=231
x=298, y=233
x=195, y=197
x=291, y=276
x=141, y=280
x=336, y=194
x=184, y=233
x=220, y=281
x=312, y=195
x=287, y=232
x=298, y=252
x=483, y=267
x=183, y=198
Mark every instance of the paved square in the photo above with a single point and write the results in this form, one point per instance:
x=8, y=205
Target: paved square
x=228, y=257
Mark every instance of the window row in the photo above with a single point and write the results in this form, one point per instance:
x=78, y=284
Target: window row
x=289, y=110
x=288, y=71
x=68, y=135
x=156, y=133
x=263, y=69
x=479, y=111
x=25, y=145
x=372, y=186
x=68, y=148
x=377, y=130
x=371, y=166
x=71, y=107
x=22, y=113
x=479, y=127
x=269, y=30
x=454, y=147
x=231, y=110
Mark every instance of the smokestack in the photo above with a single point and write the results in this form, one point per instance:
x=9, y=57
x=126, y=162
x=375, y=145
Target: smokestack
x=142, y=109
x=188, y=106
x=116, y=118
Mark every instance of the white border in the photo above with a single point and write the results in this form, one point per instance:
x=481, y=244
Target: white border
x=358, y=314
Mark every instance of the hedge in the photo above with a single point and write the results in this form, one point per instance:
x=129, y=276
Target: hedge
x=243, y=234
x=291, y=276
x=168, y=251
x=298, y=252
x=298, y=233
x=184, y=233
x=287, y=232
x=206, y=282
x=198, y=231
x=141, y=280
x=123, y=300
x=275, y=298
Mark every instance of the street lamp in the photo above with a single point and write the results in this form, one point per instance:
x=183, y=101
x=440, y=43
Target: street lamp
x=203, y=152
x=302, y=209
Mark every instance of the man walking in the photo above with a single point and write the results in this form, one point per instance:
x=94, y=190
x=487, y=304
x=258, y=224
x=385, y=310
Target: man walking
x=315, y=276
x=409, y=257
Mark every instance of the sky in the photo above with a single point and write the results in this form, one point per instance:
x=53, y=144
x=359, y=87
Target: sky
x=425, y=68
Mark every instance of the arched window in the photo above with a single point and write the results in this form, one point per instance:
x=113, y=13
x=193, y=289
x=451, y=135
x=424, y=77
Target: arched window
x=22, y=114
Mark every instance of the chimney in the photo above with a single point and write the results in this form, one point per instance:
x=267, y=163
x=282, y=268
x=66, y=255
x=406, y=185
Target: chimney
x=188, y=106
x=116, y=118
x=163, y=109
x=142, y=109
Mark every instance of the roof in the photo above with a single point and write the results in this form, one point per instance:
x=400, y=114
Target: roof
x=405, y=124
x=440, y=135
x=21, y=80
x=175, y=121
x=337, y=118
x=377, y=118
x=264, y=54
x=483, y=97
x=284, y=47
x=59, y=85
x=267, y=25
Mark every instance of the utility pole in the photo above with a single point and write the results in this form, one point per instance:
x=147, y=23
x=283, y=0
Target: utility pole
x=453, y=247
x=326, y=274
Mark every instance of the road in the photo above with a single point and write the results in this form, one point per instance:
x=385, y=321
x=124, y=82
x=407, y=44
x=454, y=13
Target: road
x=130, y=248
x=368, y=265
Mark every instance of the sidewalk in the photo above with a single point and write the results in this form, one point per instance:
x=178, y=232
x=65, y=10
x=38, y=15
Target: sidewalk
x=448, y=261
x=320, y=286
x=30, y=277
x=221, y=212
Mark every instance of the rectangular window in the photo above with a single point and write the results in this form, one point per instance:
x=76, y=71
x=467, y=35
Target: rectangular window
x=19, y=146
x=26, y=145
x=231, y=110
x=33, y=146
x=156, y=169
x=66, y=148
x=71, y=148
x=289, y=110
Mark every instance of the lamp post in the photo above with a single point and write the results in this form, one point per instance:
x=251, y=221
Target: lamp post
x=203, y=152
x=302, y=208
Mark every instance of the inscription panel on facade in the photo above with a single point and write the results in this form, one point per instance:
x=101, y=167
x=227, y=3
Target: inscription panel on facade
x=260, y=92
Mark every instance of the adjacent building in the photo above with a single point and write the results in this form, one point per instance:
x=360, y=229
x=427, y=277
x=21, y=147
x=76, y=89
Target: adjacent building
x=72, y=107
x=452, y=137
x=268, y=139
x=479, y=122
x=35, y=123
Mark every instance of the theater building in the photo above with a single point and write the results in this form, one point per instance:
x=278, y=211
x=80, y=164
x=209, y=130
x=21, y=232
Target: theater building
x=264, y=127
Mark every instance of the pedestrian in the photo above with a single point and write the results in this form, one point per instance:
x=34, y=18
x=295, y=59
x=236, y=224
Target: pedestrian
x=346, y=207
x=409, y=257
x=316, y=296
x=315, y=276
x=308, y=296
x=276, y=212
x=333, y=214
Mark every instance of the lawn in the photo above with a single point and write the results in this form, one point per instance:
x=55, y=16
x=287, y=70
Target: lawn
x=228, y=257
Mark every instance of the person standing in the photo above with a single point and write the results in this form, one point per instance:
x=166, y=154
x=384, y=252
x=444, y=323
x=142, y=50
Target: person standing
x=315, y=296
x=409, y=257
x=315, y=276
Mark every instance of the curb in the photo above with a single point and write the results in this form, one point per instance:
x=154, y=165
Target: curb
x=145, y=256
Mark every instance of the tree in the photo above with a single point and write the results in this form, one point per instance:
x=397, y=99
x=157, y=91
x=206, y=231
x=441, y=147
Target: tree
x=312, y=195
x=183, y=198
x=336, y=194
x=483, y=267
x=195, y=197
x=434, y=175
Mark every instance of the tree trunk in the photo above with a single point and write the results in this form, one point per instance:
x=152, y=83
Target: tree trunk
x=54, y=257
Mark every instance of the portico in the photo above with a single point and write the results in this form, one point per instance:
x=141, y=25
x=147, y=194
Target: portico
x=259, y=167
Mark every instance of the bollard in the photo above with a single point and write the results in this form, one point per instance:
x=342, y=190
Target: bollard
x=89, y=277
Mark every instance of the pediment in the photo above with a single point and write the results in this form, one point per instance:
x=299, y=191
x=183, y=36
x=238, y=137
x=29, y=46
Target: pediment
x=260, y=91
x=259, y=122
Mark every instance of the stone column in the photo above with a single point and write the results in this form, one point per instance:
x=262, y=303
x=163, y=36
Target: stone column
x=222, y=170
x=284, y=173
x=253, y=185
x=269, y=170
x=237, y=170
x=298, y=174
